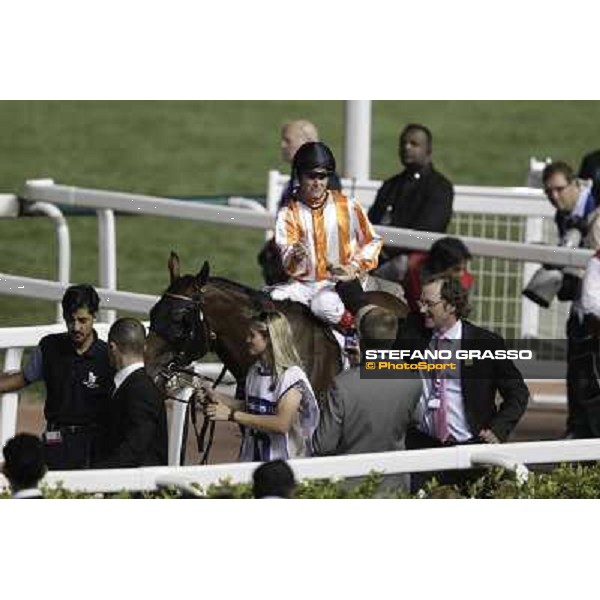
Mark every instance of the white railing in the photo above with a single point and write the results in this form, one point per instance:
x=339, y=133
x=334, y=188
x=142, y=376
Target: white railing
x=510, y=213
x=29, y=287
x=514, y=456
x=224, y=215
x=520, y=201
x=11, y=206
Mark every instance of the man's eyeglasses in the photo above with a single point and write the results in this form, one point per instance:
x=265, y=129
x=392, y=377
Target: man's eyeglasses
x=317, y=175
x=428, y=303
x=557, y=189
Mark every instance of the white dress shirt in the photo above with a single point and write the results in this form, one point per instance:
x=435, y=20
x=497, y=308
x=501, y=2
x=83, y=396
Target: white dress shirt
x=124, y=373
x=452, y=390
x=590, y=295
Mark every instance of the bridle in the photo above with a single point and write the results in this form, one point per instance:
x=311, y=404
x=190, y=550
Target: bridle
x=204, y=447
x=191, y=337
x=180, y=321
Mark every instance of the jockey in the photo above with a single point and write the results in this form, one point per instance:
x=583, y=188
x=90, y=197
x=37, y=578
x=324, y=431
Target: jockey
x=323, y=237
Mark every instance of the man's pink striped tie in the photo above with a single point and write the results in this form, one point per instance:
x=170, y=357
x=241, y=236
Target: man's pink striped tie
x=440, y=414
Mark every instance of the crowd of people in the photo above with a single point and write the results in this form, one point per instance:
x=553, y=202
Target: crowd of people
x=103, y=411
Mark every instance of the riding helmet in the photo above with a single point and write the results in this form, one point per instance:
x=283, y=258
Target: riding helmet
x=312, y=155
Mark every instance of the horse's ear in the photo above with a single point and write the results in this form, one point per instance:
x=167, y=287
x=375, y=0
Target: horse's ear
x=174, y=266
x=203, y=273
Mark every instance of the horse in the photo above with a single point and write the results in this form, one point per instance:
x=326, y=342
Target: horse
x=199, y=313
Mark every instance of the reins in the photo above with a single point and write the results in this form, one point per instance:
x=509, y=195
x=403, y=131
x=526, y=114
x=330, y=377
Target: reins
x=204, y=447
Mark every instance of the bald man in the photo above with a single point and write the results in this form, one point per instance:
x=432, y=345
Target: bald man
x=294, y=134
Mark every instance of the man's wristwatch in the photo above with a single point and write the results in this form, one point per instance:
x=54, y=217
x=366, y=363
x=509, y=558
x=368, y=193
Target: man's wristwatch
x=231, y=416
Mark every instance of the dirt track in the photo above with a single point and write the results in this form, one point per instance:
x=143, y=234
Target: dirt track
x=541, y=422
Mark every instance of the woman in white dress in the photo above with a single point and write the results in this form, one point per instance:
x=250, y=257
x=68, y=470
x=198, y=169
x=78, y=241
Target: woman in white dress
x=277, y=407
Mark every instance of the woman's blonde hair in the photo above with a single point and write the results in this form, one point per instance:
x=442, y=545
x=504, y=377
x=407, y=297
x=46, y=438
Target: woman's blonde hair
x=281, y=350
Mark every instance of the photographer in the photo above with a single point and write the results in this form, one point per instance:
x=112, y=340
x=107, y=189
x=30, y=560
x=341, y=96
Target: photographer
x=578, y=227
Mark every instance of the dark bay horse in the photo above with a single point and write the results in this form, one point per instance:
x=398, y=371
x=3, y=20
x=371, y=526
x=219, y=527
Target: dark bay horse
x=199, y=313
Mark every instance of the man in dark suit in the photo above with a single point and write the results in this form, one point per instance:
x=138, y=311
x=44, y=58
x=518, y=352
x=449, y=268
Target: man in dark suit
x=136, y=432
x=460, y=406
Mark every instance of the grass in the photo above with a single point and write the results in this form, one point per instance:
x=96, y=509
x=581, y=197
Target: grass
x=226, y=148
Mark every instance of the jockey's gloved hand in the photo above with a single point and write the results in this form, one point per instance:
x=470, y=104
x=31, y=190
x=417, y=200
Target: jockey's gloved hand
x=299, y=251
x=342, y=272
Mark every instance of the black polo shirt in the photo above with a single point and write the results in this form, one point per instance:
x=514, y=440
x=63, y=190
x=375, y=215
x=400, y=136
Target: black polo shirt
x=419, y=199
x=77, y=386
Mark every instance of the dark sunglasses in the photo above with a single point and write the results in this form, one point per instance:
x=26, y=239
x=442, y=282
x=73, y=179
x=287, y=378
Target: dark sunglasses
x=316, y=175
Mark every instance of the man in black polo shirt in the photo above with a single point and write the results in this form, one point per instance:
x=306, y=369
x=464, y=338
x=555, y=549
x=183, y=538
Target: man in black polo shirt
x=76, y=370
x=417, y=198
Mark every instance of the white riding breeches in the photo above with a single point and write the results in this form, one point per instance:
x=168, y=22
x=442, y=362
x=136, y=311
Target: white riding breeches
x=319, y=296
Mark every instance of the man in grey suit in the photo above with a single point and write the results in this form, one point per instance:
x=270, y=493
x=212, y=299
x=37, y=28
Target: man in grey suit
x=368, y=415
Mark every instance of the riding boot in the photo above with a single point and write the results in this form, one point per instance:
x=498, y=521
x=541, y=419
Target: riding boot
x=352, y=295
x=346, y=335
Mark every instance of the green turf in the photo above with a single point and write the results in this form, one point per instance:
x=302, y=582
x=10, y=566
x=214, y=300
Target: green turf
x=226, y=148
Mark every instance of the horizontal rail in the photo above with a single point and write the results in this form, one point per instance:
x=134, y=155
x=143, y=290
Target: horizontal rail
x=28, y=287
x=497, y=459
x=419, y=240
x=490, y=200
x=28, y=337
x=9, y=205
x=334, y=467
x=141, y=204
x=557, y=255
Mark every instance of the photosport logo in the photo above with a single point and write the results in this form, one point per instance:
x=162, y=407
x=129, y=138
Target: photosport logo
x=462, y=358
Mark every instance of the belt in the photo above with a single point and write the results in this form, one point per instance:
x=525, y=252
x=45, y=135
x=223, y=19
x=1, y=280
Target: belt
x=449, y=442
x=69, y=428
x=452, y=441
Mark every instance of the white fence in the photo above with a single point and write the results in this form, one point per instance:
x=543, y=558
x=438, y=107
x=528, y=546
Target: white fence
x=512, y=456
x=497, y=223
x=10, y=206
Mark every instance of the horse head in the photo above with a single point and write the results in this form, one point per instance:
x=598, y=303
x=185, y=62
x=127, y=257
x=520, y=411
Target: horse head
x=179, y=332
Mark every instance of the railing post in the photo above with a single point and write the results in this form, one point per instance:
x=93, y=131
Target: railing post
x=357, y=143
x=272, y=189
x=178, y=416
x=63, y=240
x=107, y=258
x=9, y=403
x=63, y=237
x=530, y=311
